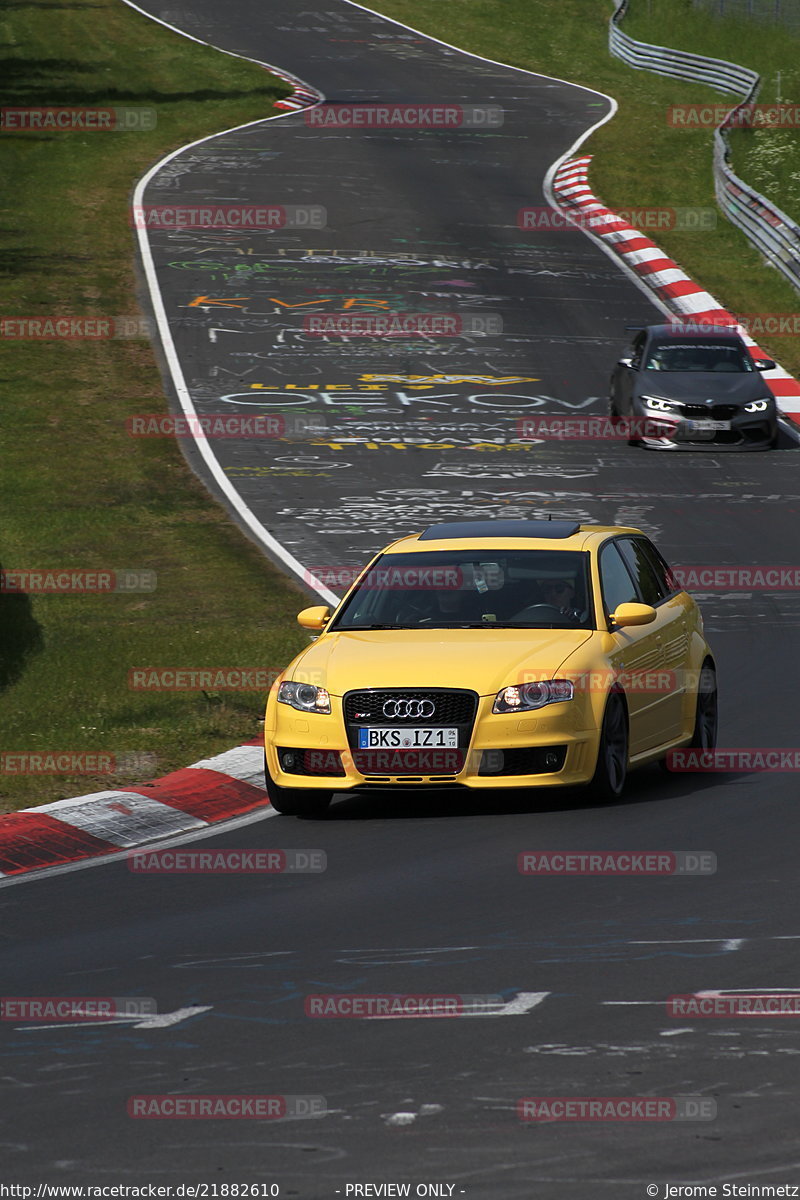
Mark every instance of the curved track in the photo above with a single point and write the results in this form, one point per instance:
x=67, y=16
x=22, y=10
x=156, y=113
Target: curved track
x=423, y=895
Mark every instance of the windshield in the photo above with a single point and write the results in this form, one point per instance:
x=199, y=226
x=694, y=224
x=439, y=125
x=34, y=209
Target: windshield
x=462, y=589
x=698, y=356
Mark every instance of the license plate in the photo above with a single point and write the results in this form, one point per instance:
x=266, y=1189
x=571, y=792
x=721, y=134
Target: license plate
x=706, y=425
x=407, y=738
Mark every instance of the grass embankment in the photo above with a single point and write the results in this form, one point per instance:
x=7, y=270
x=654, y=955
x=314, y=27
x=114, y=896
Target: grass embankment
x=767, y=158
x=639, y=159
x=75, y=491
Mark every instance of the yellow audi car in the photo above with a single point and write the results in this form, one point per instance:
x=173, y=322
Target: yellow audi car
x=493, y=654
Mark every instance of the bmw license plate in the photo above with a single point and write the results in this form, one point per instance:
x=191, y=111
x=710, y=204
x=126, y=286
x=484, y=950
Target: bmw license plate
x=707, y=425
x=407, y=738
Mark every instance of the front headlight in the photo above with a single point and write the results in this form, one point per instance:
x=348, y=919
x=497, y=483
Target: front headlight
x=526, y=696
x=305, y=697
x=658, y=403
x=758, y=405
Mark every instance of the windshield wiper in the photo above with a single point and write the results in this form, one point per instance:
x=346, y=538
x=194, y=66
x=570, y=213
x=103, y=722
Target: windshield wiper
x=459, y=625
x=360, y=628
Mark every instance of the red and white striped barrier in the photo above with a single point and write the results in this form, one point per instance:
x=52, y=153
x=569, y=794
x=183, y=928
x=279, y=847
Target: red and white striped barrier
x=663, y=276
x=208, y=791
x=302, y=96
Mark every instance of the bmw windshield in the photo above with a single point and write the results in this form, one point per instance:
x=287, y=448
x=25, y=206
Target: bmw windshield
x=468, y=589
x=710, y=356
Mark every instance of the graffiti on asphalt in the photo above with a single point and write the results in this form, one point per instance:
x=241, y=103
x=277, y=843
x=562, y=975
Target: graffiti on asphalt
x=493, y=469
x=396, y=510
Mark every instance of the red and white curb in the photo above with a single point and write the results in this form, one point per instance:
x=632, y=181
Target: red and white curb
x=679, y=293
x=211, y=790
x=302, y=97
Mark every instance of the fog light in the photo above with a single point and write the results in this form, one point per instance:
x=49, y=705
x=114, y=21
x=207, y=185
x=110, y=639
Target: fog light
x=287, y=761
x=550, y=759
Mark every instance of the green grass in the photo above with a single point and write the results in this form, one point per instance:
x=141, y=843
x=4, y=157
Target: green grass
x=639, y=160
x=75, y=491
x=768, y=159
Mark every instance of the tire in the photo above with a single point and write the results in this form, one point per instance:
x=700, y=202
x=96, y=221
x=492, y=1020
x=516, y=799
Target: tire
x=704, y=735
x=296, y=802
x=634, y=441
x=611, y=772
x=616, y=419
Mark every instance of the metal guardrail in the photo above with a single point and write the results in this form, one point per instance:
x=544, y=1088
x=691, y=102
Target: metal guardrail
x=771, y=231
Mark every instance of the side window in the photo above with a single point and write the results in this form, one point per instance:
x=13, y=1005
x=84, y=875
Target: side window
x=636, y=350
x=635, y=555
x=666, y=580
x=615, y=580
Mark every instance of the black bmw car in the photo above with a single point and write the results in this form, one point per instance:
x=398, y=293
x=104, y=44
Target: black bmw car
x=695, y=388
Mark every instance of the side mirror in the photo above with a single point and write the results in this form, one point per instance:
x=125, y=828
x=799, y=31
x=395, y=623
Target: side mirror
x=764, y=364
x=633, y=614
x=315, y=618
x=627, y=361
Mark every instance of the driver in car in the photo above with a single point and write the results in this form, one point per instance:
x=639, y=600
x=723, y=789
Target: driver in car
x=560, y=593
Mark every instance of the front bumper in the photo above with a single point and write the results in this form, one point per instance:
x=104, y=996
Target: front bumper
x=549, y=747
x=748, y=431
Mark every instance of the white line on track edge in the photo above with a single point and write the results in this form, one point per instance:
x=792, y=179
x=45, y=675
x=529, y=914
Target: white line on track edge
x=245, y=514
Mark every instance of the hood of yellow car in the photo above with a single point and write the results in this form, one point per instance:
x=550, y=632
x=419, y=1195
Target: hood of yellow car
x=484, y=660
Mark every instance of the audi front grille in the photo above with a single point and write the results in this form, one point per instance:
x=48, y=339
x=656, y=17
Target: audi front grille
x=399, y=707
x=451, y=706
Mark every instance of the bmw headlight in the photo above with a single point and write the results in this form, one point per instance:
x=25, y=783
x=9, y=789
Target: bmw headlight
x=758, y=405
x=305, y=697
x=526, y=696
x=658, y=403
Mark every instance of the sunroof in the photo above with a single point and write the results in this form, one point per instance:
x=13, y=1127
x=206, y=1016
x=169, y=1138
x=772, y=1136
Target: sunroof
x=451, y=530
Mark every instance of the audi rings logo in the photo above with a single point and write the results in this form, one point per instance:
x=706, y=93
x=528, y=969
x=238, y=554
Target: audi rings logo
x=408, y=710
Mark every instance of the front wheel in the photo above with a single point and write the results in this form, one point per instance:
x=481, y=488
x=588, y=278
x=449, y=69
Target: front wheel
x=611, y=771
x=296, y=802
x=704, y=736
